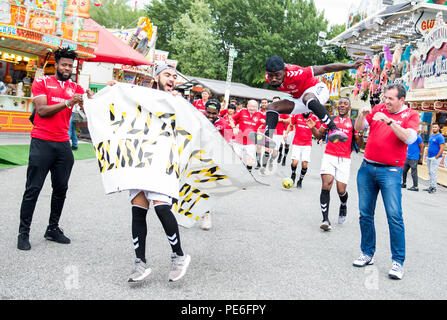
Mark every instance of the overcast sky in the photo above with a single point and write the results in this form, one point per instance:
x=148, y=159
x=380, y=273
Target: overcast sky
x=335, y=11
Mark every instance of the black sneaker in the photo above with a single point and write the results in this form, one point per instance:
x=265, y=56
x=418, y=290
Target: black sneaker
x=74, y=148
x=299, y=184
x=426, y=189
x=23, y=242
x=258, y=166
x=56, y=235
x=283, y=162
x=403, y=185
x=432, y=190
x=413, y=188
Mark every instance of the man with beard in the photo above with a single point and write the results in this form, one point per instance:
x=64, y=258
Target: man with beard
x=54, y=97
x=336, y=162
x=165, y=77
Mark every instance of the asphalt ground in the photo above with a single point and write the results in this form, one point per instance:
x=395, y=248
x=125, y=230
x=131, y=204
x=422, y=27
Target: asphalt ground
x=265, y=244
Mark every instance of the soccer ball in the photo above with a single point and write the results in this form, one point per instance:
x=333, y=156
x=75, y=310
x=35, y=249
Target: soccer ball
x=287, y=183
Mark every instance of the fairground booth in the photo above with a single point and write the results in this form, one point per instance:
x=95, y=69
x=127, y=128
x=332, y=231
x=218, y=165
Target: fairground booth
x=29, y=32
x=406, y=43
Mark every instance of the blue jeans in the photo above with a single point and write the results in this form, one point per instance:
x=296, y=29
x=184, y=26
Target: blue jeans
x=371, y=179
x=72, y=133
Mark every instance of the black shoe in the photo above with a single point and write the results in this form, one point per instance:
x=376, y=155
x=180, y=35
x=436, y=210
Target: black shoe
x=56, y=235
x=299, y=184
x=403, y=185
x=258, y=166
x=413, y=188
x=74, y=148
x=432, y=190
x=426, y=189
x=279, y=158
x=23, y=242
x=283, y=162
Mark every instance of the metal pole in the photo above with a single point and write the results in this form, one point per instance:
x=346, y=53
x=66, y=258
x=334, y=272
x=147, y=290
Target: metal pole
x=231, y=57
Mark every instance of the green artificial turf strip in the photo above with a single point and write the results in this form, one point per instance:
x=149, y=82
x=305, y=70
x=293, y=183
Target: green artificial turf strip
x=17, y=155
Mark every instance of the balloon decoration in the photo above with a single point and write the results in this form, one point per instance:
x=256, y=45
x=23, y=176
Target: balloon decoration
x=391, y=65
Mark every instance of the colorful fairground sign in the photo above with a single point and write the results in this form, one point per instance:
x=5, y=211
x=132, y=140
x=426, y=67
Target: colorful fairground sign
x=429, y=61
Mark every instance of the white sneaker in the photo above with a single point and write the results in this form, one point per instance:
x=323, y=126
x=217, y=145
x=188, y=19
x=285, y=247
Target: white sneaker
x=179, y=266
x=341, y=219
x=397, y=271
x=363, y=260
x=140, y=272
x=326, y=226
x=206, y=222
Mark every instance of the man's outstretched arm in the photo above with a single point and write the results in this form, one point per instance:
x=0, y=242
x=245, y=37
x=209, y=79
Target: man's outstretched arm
x=334, y=67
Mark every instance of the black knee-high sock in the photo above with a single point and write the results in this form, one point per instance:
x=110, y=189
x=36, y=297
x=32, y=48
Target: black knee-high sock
x=303, y=173
x=293, y=176
x=343, y=199
x=320, y=111
x=324, y=203
x=265, y=159
x=280, y=150
x=170, y=226
x=139, y=231
x=286, y=150
x=271, y=121
x=258, y=158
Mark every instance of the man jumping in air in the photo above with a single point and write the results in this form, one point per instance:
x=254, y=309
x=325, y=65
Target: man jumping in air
x=308, y=93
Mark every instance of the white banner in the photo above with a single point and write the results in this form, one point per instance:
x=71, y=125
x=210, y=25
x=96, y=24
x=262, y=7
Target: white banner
x=150, y=140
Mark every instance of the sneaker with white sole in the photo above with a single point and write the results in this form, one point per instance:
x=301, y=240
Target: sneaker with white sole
x=206, y=222
x=363, y=260
x=179, y=266
x=140, y=272
x=397, y=271
x=326, y=226
x=342, y=215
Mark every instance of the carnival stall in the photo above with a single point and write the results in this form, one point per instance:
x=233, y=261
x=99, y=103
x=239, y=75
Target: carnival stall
x=114, y=59
x=29, y=32
x=405, y=43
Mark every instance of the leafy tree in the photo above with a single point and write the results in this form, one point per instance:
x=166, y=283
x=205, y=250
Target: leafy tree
x=164, y=14
x=195, y=45
x=116, y=14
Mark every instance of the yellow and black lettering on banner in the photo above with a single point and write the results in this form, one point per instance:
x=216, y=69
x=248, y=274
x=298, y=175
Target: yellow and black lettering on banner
x=190, y=196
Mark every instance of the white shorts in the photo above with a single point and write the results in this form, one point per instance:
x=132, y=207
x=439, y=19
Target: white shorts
x=279, y=139
x=320, y=90
x=290, y=137
x=245, y=151
x=337, y=167
x=301, y=153
x=150, y=195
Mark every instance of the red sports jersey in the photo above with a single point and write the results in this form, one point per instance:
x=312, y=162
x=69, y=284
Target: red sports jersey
x=55, y=127
x=261, y=127
x=297, y=80
x=303, y=134
x=228, y=120
x=341, y=149
x=383, y=145
x=224, y=128
x=247, y=123
x=199, y=104
x=281, y=126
